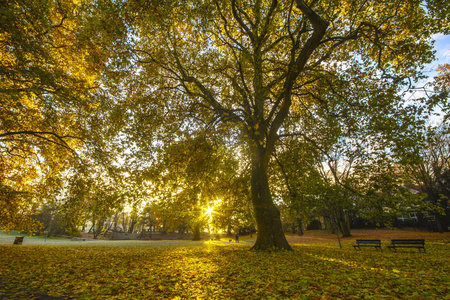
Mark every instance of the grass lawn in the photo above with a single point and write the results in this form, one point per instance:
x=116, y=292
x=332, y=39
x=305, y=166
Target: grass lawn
x=62, y=269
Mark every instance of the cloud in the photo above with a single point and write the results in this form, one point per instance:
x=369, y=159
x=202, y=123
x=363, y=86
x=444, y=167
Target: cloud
x=443, y=56
x=445, y=53
x=438, y=36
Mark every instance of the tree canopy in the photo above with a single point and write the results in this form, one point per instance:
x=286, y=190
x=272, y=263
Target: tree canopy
x=264, y=68
x=150, y=80
x=53, y=115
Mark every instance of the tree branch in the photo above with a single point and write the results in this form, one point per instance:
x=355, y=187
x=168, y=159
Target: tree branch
x=296, y=66
x=241, y=22
x=41, y=134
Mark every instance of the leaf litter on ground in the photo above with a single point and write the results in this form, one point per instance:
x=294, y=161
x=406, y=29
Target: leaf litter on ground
x=215, y=270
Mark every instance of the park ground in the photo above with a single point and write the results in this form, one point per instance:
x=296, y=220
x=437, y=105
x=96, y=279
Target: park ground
x=318, y=268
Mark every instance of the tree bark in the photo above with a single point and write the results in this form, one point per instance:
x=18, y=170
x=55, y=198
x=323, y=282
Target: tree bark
x=439, y=221
x=267, y=215
x=197, y=232
x=107, y=229
x=133, y=222
x=344, y=223
x=341, y=224
x=229, y=230
x=300, y=226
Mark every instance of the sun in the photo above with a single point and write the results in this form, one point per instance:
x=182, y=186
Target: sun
x=209, y=210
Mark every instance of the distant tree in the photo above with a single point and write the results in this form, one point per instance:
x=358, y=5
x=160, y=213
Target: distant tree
x=443, y=79
x=432, y=175
x=54, y=223
x=16, y=209
x=442, y=91
x=348, y=156
x=147, y=219
x=93, y=192
x=196, y=182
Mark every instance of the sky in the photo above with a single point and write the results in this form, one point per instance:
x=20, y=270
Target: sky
x=442, y=47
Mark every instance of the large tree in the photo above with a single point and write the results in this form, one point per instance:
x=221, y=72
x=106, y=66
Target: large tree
x=250, y=64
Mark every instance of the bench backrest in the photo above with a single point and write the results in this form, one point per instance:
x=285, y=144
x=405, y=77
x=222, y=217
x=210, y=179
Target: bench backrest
x=368, y=241
x=411, y=241
x=18, y=240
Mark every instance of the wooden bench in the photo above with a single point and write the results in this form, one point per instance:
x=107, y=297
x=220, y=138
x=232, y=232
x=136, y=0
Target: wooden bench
x=411, y=243
x=368, y=243
x=18, y=240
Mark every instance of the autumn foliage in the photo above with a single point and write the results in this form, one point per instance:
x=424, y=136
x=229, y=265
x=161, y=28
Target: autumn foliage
x=222, y=270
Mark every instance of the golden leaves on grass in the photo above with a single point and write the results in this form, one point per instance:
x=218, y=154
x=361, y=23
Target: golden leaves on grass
x=218, y=271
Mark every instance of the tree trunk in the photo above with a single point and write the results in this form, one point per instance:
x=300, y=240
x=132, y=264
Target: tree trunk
x=98, y=228
x=343, y=223
x=124, y=221
x=133, y=222
x=439, y=222
x=229, y=230
x=267, y=215
x=116, y=221
x=108, y=228
x=300, y=226
x=196, y=232
x=94, y=230
x=93, y=226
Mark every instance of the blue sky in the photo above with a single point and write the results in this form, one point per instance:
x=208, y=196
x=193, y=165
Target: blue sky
x=442, y=47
